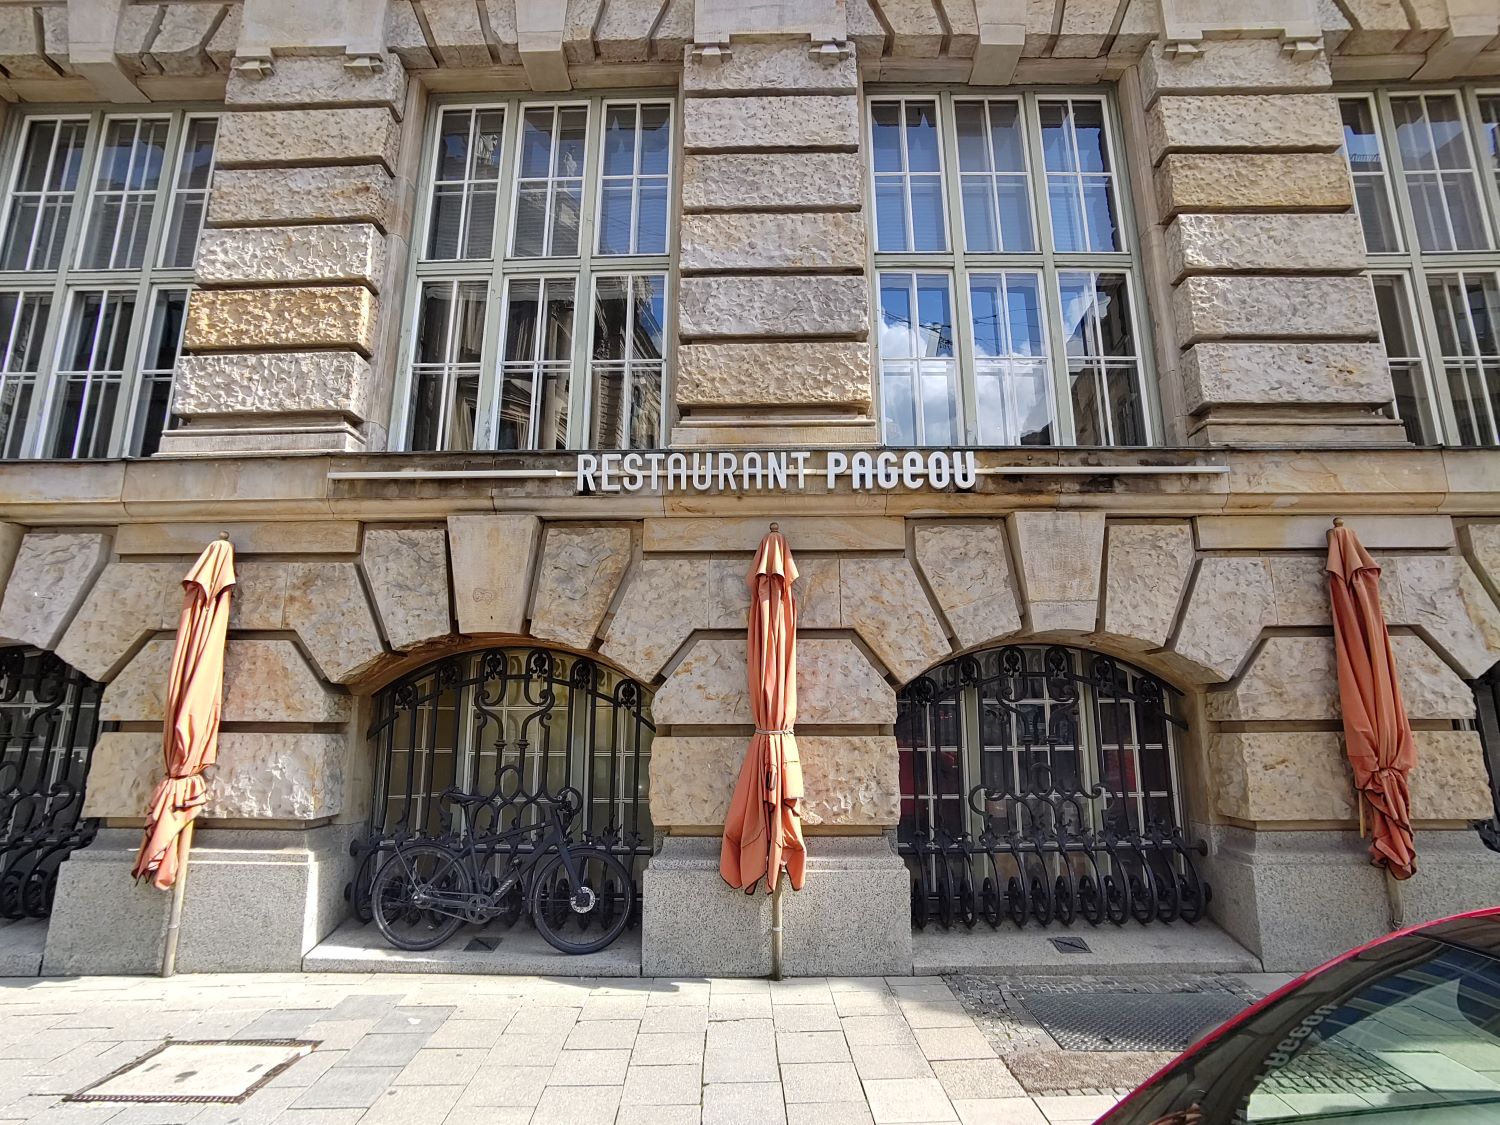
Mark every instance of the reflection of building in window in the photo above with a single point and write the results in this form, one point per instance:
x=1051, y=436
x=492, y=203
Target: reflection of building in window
x=498, y=358
x=101, y=227
x=1427, y=188
x=1005, y=279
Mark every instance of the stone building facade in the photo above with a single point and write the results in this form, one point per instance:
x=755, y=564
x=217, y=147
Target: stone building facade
x=1188, y=279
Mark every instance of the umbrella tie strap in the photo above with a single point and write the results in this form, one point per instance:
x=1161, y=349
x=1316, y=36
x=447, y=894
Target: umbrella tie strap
x=783, y=730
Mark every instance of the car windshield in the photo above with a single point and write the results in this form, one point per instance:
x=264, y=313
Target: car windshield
x=1406, y=1032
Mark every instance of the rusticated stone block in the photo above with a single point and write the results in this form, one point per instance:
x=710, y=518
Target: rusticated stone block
x=770, y=181
x=273, y=383
x=835, y=684
x=128, y=603
x=1231, y=66
x=785, y=68
x=317, y=80
x=289, y=137
x=1272, y=374
x=1482, y=541
x=1450, y=781
x=580, y=572
x=729, y=307
x=882, y=600
x=801, y=373
x=265, y=681
x=1281, y=776
x=320, y=253
x=1147, y=570
x=52, y=574
x=327, y=606
x=1059, y=555
x=1217, y=306
x=341, y=316
x=492, y=557
x=180, y=45
x=748, y=124
x=967, y=567
x=407, y=569
x=848, y=779
x=361, y=193
x=1232, y=600
x=1293, y=678
x=816, y=592
x=1286, y=243
x=1252, y=181
x=1442, y=595
x=259, y=776
x=455, y=32
x=1254, y=122
x=665, y=600
x=765, y=241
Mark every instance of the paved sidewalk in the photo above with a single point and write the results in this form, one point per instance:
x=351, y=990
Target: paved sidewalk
x=416, y=1050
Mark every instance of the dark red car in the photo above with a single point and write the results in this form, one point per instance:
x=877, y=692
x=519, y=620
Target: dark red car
x=1403, y=1030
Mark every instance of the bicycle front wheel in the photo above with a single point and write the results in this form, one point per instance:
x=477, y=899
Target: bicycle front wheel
x=590, y=916
x=400, y=887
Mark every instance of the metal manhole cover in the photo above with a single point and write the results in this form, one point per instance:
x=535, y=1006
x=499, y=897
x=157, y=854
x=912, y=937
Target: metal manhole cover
x=206, y=1070
x=1128, y=1021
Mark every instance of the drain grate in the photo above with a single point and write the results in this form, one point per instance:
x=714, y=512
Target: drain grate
x=1128, y=1021
x=192, y=1071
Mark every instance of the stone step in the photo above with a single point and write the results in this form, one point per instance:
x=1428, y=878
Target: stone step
x=1113, y=950
x=357, y=947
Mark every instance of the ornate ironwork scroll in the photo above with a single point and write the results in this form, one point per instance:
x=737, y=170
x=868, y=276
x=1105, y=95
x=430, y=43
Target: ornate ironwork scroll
x=559, y=721
x=49, y=721
x=1487, y=723
x=1038, y=786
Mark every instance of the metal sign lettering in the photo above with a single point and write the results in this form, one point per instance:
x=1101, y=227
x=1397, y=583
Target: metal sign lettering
x=774, y=471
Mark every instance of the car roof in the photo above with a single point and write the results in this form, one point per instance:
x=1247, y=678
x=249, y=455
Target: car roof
x=1479, y=931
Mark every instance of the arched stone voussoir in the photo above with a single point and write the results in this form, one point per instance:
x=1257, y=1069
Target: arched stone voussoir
x=882, y=600
x=1232, y=600
x=1146, y=572
x=327, y=606
x=836, y=684
x=580, y=571
x=1059, y=556
x=665, y=601
x=130, y=602
x=53, y=572
x=967, y=567
x=407, y=569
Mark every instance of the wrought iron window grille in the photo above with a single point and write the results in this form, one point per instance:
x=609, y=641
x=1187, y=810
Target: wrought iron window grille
x=499, y=721
x=1039, y=786
x=49, y=722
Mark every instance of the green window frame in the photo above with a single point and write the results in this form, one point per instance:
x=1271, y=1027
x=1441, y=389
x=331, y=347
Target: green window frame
x=1425, y=164
x=102, y=214
x=1045, y=340
x=539, y=293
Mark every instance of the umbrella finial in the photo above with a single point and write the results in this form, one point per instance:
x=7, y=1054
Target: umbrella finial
x=775, y=527
x=223, y=535
x=1338, y=521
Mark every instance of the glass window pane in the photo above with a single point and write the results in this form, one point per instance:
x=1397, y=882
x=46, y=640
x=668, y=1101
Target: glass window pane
x=537, y=364
x=927, y=214
x=130, y=164
x=619, y=140
x=633, y=193
x=1103, y=370
x=897, y=326
x=1466, y=307
x=1439, y=172
x=1398, y=334
x=158, y=358
x=885, y=136
x=934, y=316
x=92, y=366
x=23, y=321
x=1012, y=389
x=461, y=219
x=921, y=137
x=42, y=202
x=890, y=214
x=626, y=370
x=1489, y=131
x=973, y=144
x=445, y=364
x=190, y=193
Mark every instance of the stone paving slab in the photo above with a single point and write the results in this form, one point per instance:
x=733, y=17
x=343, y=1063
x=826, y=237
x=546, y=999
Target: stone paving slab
x=445, y=1048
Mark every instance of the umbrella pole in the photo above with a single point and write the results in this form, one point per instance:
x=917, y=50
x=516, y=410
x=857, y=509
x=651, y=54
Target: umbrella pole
x=776, y=930
x=179, y=892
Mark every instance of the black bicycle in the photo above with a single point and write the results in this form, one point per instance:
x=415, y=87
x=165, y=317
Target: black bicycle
x=580, y=897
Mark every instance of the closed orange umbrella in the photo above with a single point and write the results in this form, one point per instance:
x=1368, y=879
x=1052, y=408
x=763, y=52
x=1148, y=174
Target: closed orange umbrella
x=190, y=728
x=763, y=828
x=1377, y=734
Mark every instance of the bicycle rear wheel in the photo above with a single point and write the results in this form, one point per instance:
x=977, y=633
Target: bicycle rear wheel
x=418, y=868
x=567, y=916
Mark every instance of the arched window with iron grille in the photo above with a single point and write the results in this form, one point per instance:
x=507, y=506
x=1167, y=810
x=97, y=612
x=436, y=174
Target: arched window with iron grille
x=561, y=720
x=1039, y=785
x=49, y=722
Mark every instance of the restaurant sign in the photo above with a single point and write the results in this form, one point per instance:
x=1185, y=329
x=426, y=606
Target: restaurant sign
x=772, y=471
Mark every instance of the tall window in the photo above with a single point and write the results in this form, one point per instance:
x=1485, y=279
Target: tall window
x=1007, y=310
x=99, y=229
x=1426, y=170
x=541, y=287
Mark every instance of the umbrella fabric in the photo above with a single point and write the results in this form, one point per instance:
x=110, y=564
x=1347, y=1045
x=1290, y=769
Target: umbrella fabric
x=1377, y=735
x=763, y=827
x=190, y=731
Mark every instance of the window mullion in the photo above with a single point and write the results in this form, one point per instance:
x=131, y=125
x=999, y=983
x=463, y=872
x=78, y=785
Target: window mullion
x=1489, y=182
x=967, y=427
x=580, y=396
x=1062, y=403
